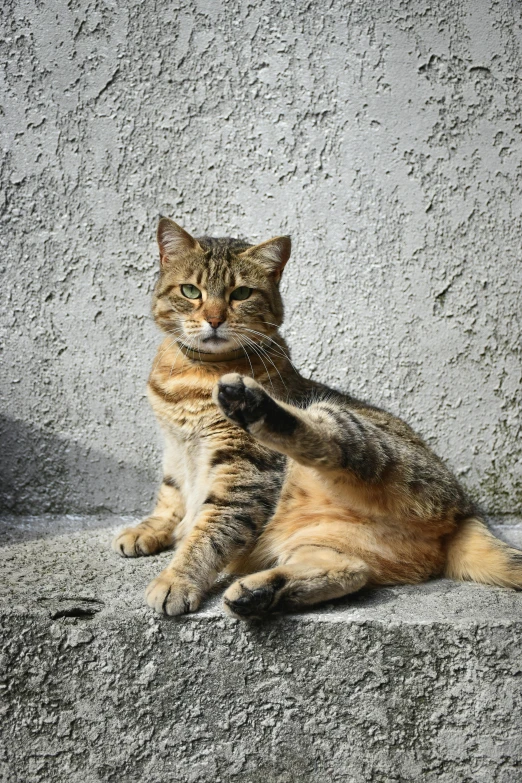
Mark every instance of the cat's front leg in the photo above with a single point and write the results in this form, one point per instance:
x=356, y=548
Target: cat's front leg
x=218, y=537
x=244, y=401
x=156, y=532
x=227, y=526
x=174, y=593
x=327, y=435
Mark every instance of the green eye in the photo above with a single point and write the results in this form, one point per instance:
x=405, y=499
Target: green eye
x=241, y=293
x=190, y=291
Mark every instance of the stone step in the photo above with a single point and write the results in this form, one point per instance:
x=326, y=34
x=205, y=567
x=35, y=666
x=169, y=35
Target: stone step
x=395, y=685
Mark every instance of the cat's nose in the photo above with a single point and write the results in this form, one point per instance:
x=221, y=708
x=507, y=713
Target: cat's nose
x=215, y=322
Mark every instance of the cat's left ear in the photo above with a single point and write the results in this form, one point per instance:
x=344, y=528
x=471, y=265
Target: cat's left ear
x=272, y=255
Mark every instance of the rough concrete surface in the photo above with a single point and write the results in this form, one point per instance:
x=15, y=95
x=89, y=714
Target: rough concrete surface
x=385, y=137
x=397, y=685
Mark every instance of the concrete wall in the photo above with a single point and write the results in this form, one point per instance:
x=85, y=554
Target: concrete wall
x=385, y=137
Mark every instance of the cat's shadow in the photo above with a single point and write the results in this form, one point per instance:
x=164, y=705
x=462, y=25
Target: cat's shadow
x=47, y=473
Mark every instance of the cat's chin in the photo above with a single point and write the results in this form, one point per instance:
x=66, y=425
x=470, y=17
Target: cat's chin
x=216, y=345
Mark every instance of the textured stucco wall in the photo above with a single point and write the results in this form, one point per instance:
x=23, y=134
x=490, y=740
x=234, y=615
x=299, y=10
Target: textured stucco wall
x=385, y=137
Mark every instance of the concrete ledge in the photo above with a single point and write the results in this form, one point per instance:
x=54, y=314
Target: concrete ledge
x=394, y=685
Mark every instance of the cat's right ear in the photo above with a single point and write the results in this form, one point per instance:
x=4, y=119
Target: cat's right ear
x=174, y=242
x=272, y=255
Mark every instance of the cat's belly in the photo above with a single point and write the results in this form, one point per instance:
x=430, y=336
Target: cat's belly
x=312, y=513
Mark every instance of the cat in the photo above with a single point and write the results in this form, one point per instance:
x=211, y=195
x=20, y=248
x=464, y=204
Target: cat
x=303, y=493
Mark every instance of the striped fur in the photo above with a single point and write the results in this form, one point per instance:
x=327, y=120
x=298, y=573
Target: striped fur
x=305, y=493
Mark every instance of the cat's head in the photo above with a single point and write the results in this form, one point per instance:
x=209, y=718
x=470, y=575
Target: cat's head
x=217, y=295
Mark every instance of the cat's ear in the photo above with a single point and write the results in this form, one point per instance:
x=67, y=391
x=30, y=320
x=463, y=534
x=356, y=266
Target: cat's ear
x=174, y=241
x=272, y=255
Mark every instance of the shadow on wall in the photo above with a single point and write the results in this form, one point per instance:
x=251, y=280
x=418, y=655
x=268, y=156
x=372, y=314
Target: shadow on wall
x=45, y=473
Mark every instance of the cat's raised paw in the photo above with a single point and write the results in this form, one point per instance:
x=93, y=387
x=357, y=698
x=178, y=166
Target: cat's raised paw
x=171, y=593
x=241, y=399
x=139, y=541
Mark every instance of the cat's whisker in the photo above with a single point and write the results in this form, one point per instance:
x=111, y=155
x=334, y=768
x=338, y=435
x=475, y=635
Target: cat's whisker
x=261, y=334
x=194, y=346
x=266, y=337
x=248, y=343
x=256, y=348
x=174, y=362
x=275, y=367
x=260, y=350
x=192, y=341
x=277, y=352
x=181, y=333
x=162, y=352
x=268, y=323
x=282, y=354
x=239, y=343
x=280, y=350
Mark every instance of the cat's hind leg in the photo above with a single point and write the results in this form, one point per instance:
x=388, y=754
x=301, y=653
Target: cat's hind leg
x=310, y=575
x=156, y=532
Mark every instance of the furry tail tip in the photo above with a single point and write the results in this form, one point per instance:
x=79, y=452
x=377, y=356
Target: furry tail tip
x=474, y=554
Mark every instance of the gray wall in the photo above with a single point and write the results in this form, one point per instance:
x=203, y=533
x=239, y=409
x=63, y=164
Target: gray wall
x=385, y=137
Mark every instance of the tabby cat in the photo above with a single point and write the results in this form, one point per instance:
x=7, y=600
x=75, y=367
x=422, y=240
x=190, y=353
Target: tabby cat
x=304, y=493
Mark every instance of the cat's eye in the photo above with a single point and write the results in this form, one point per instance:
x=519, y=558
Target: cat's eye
x=190, y=291
x=243, y=292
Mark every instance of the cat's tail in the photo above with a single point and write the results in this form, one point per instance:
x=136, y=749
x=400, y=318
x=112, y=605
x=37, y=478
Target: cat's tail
x=475, y=554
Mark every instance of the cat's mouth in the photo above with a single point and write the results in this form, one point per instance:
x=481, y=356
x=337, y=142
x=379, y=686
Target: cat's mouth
x=214, y=342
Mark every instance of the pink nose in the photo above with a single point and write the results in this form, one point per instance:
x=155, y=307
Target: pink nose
x=215, y=322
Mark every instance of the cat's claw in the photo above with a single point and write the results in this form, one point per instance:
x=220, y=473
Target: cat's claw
x=241, y=399
x=171, y=593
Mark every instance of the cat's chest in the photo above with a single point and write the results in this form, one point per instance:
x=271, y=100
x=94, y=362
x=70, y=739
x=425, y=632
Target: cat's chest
x=192, y=427
x=182, y=402
x=188, y=458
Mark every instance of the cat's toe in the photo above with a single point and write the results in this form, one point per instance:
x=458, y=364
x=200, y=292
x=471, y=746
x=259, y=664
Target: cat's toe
x=241, y=399
x=245, y=604
x=232, y=386
x=138, y=542
x=170, y=593
x=229, y=394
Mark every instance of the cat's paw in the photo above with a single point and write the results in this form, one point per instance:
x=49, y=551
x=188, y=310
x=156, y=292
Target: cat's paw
x=171, y=593
x=241, y=399
x=251, y=598
x=140, y=541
